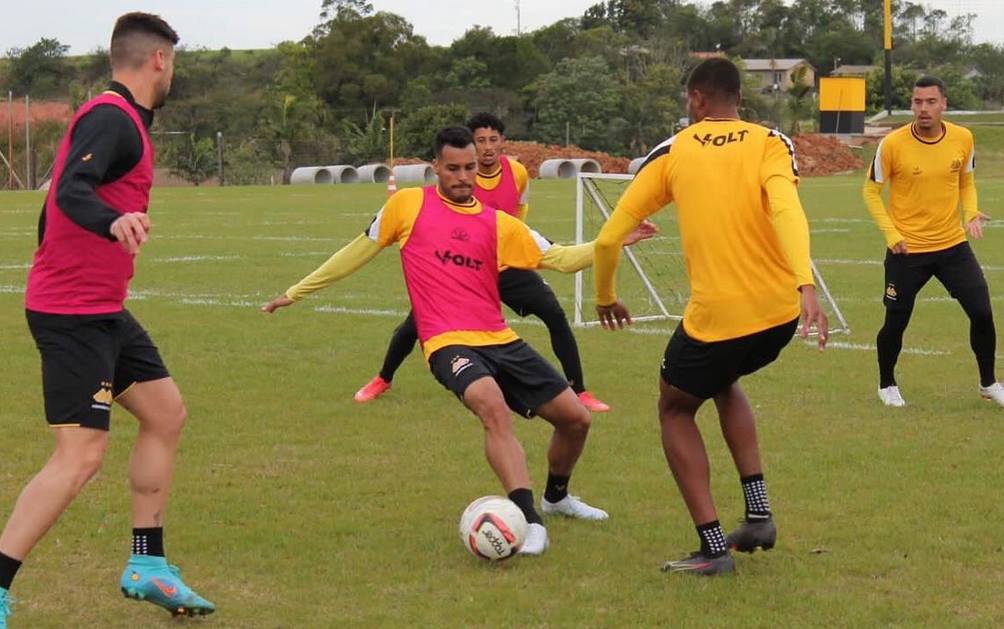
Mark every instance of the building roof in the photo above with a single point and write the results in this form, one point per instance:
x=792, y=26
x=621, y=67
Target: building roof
x=770, y=65
x=851, y=70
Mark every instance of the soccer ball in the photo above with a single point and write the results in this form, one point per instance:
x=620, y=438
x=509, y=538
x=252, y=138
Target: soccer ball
x=492, y=528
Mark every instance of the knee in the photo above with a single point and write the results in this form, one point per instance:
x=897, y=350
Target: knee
x=580, y=421
x=81, y=465
x=496, y=420
x=176, y=417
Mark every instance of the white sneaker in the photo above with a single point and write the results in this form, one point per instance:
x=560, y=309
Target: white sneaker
x=994, y=392
x=536, y=540
x=572, y=507
x=890, y=396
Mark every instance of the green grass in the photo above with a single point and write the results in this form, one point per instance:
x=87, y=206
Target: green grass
x=295, y=507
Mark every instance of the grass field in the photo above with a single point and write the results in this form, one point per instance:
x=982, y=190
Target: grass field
x=295, y=507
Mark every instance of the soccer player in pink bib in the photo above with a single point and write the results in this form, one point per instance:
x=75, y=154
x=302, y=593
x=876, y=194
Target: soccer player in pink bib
x=452, y=247
x=501, y=183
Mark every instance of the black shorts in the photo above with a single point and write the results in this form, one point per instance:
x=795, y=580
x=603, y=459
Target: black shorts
x=88, y=361
x=527, y=380
x=704, y=369
x=956, y=268
x=525, y=292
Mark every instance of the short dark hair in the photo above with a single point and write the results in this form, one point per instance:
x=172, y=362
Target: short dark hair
x=931, y=81
x=485, y=120
x=716, y=78
x=457, y=137
x=133, y=34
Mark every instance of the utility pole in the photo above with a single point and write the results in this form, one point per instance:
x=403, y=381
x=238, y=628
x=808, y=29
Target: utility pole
x=519, y=26
x=28, y=179
x=219, y=149
x=888, y=56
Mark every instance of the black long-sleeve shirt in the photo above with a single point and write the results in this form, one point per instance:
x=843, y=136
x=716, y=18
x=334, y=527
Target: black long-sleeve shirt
x=104, y=147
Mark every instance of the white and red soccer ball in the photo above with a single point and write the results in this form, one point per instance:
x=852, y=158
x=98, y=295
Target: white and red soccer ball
x=493, y=528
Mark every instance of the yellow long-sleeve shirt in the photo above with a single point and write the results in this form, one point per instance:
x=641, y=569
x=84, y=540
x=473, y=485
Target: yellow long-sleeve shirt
x=744, y=234
x=927, y=180
x=518, y=246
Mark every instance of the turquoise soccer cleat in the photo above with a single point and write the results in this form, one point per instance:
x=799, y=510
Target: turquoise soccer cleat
x=4, y=608
x=148, y=578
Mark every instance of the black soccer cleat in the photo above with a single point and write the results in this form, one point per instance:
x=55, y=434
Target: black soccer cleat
x=753, y=534
x=702, y=565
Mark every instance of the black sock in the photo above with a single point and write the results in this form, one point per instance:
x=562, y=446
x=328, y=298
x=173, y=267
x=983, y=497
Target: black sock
x=8, y=568
x=523, y=498
x=712, y=539
x=755, y=492
x=557, y=487
x=148, y=541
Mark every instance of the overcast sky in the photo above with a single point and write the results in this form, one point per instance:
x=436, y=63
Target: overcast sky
x=262, y=23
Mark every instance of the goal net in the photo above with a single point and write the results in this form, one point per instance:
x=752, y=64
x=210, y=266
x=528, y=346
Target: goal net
x=652, y=277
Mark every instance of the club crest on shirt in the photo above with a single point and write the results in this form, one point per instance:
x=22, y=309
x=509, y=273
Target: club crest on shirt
x=956, y=165
x=458, y=364
x=460, y=234
x=917, y=171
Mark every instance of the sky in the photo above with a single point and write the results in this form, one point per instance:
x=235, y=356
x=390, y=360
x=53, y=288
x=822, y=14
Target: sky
x=239, y=24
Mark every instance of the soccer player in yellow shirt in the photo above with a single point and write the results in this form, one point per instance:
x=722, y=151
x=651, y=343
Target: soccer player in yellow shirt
x=746, y=244
x=929, y=165
x=452, y=248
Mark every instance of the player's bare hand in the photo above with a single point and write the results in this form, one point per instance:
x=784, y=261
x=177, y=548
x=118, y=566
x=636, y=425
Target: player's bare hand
x=644, y=231
x=813, y=316
x=131, y=231
x=614, y=316
x=279, y=302
x=899, y=247
x=975, y=226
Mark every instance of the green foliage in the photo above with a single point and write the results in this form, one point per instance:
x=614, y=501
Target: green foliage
x=577, y=100
x=416, y=131
x=38, y=70
x=247, y=163
x=368, y=144
x=191, y=158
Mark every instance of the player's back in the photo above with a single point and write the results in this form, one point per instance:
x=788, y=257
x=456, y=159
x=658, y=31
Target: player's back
x=715, y=171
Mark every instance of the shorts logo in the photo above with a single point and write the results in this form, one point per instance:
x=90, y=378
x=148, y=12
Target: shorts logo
x=890, y=292
x=103, y=395
x=458, y=364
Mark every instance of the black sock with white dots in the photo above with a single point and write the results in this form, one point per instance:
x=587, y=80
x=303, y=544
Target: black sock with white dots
x=712, y=539
x=755, y=492
x=148, y=541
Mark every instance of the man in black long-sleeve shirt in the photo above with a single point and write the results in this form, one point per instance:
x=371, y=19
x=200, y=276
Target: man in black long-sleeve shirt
x=104, y=147
x=93, y=350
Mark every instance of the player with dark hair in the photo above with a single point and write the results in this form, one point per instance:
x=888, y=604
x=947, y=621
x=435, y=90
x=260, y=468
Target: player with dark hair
x=502, y=183
x=930, y=166
x=93, y=351
x=452, y=247
x=746, y=243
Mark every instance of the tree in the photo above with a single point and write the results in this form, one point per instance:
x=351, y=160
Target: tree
x=416, y=132
x=193, y=159
x=38, y=70
x=579, y=98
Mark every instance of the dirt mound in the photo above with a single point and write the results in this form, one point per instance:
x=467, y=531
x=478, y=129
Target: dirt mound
x=819, y=154
x=531, y=154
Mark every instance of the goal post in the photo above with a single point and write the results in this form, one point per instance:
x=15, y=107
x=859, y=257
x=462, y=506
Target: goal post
x=652, y=276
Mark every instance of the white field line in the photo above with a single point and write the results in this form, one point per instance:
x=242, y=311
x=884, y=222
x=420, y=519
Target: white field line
x=832, y=230
x=255, y=301
x=195, y=258
x=22, y=266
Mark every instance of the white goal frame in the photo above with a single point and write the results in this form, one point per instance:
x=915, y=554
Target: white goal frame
x=584, y=186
